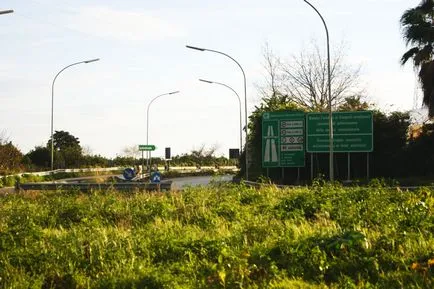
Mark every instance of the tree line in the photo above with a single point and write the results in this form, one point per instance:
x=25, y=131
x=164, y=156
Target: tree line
x=401, y=149
x=68, y=153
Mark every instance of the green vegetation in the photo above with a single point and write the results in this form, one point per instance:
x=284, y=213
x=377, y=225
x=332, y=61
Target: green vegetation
x=224, y=236
x=179, y=174
x=69, y=154
x=10, y=158
x=10, y=181
x=396, y=142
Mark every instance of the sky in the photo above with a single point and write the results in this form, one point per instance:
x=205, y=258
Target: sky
x=141, y=46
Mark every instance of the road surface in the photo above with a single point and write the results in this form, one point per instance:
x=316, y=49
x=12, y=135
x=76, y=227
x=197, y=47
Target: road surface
x=179, y=183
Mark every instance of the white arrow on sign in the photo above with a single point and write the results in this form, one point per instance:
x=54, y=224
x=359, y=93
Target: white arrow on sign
x=270, y=147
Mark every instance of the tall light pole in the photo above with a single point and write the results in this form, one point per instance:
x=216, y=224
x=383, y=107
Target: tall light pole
x=331, y=168
x=6, y=12
x=245, y=98
x=239, y=101
x=147, y=124
x=52, y=105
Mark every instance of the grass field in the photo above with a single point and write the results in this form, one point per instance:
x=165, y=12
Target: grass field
x=226, y=236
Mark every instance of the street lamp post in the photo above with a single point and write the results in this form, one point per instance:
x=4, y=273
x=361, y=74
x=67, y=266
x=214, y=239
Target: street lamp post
x=239, y=101
x=331, y=168
x=148, y=162
x=52, y=105
x=6, y=12
x=245, y=98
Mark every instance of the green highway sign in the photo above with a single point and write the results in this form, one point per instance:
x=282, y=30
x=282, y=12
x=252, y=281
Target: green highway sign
x=147, y=148
x=352, y=132
x=283, y=139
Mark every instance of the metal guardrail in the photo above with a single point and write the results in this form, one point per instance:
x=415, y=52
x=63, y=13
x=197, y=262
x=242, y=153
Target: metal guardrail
x=83, y=170
x=86, y=187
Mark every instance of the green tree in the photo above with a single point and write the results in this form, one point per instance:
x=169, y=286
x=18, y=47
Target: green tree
x=354, y=103
x=68, y=152
x=418, y=32
x=39, y=156
x=420, y=151
x=390, y=145
x=72, y=156
x=201, y=156
x=63, y=139
x=96, y=161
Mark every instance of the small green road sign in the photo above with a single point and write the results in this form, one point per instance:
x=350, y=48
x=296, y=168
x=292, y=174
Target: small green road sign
x=283, y=139
x=147, y=148
x=352, y=132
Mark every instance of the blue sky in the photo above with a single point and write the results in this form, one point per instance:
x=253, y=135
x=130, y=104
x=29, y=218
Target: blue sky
x=142, y=49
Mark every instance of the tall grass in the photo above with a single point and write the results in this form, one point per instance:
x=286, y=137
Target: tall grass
x=226, y=236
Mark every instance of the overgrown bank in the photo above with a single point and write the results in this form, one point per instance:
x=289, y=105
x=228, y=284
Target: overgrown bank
x=227, y=236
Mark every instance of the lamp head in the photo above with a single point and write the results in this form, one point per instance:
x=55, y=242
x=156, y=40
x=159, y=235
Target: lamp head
x=6, y=11
x=195, y=48
x=91, y=60
x=204, y=80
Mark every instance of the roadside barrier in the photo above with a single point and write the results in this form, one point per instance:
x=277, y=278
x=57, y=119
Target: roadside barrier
x=84, y=170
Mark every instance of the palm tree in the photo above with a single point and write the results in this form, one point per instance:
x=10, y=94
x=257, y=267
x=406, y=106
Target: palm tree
x=418, y=32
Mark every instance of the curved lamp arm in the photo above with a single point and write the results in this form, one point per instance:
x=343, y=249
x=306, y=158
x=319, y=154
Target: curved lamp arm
x=52, y=104
x=245, y=96
x=239, y=101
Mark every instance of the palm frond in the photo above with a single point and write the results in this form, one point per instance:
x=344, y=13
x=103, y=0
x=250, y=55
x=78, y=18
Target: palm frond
x=417, y=24
x=418, y=34
x=426, y=6
x=411, y=17
x=409, y=54
x=423, y=55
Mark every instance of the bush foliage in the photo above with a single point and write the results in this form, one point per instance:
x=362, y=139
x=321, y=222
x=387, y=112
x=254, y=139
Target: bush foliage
x=10, y=158
x=225, y=236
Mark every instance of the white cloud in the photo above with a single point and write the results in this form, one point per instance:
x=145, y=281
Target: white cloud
x=124, y=25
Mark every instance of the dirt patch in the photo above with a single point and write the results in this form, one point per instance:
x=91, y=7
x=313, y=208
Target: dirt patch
x=6, y=191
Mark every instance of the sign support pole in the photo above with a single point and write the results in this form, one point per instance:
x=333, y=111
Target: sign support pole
x=150, y=164
x=348, y=167
x=143, y=163
x=283, y=176
x=311, y=167
x=148, y=148
x=147, y=162
x=367, y=166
